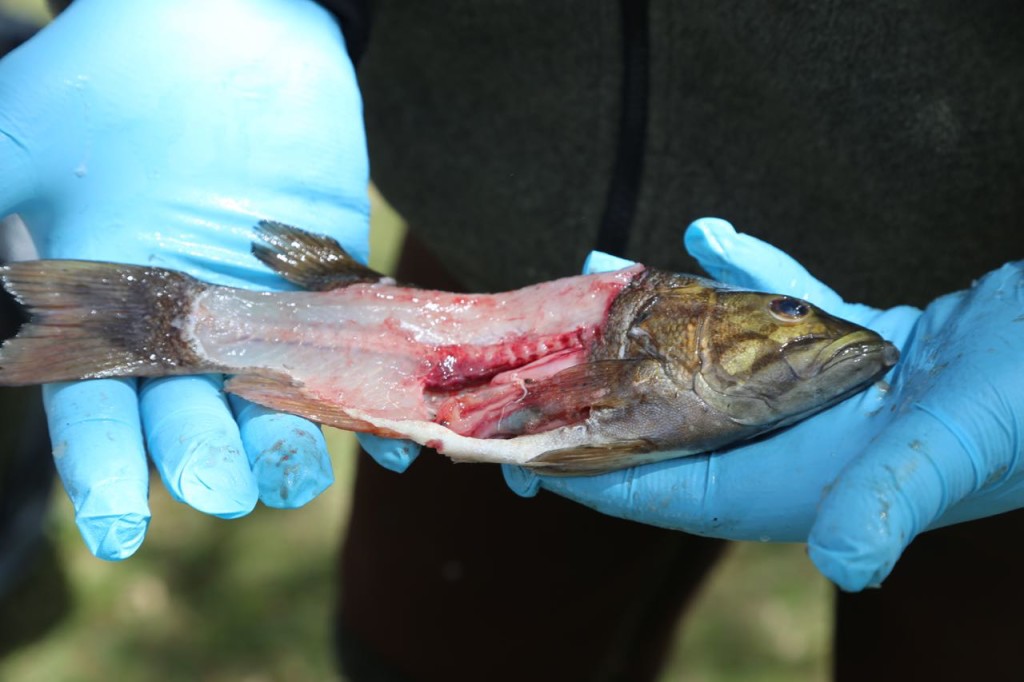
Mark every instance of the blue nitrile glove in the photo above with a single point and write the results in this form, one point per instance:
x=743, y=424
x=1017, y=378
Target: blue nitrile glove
x=942, y=442
x=158, y=133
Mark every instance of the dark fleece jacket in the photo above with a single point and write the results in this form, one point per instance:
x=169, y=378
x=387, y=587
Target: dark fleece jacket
x=882, y=144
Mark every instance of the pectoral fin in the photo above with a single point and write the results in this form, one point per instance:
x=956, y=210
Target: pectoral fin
x=568, y=397
x=514, y=408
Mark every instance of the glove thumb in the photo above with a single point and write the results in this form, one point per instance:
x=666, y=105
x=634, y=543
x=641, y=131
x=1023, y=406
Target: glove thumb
x=741, y=260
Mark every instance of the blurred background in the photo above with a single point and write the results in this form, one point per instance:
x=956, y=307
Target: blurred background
x=250, y=600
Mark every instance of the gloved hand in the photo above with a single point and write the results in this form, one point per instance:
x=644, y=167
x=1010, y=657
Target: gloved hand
x=158, y=133
x=941, y=443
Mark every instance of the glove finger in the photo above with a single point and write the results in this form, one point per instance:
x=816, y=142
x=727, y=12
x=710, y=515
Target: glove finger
x=599, y=261
x=196, y=446
x=909, y=475
x=739, y=259
x=752, y=493
x=98, y=451
x=637, y=493
x=735, y=258
x=394, y=455
x=287, y=454
x=521, y=480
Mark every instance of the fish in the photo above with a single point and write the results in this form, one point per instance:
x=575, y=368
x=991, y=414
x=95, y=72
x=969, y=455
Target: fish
x=575, y=376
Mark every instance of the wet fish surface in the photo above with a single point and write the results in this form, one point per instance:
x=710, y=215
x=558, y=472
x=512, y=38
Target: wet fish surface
x=579, y=375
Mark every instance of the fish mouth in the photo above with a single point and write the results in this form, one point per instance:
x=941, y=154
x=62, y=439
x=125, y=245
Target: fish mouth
x=859, y=346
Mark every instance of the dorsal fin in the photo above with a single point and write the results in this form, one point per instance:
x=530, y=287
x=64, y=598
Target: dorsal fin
x=312, y=261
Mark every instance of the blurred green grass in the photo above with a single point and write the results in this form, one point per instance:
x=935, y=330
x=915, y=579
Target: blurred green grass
x=251, y=600
x=29, y=11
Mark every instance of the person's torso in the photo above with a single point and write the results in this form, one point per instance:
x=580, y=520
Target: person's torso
x=880, y=144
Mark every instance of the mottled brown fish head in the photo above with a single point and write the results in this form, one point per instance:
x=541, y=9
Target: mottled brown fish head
x=768, y=360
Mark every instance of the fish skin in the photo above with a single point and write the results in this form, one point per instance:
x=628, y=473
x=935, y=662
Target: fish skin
x=576, y=376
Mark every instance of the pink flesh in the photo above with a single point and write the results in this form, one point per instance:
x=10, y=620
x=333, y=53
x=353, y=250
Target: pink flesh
x=479, y=412
x=410, y=354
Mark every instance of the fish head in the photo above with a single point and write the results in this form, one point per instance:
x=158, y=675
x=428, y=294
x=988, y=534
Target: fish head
x=766, y=360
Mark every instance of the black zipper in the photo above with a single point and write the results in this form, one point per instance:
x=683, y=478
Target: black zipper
x=624, y=189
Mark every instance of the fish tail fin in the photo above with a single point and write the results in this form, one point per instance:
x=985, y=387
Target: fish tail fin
x=312, y=261
x=90, y=320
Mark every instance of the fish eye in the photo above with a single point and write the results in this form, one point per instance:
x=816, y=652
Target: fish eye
x=789, y=309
